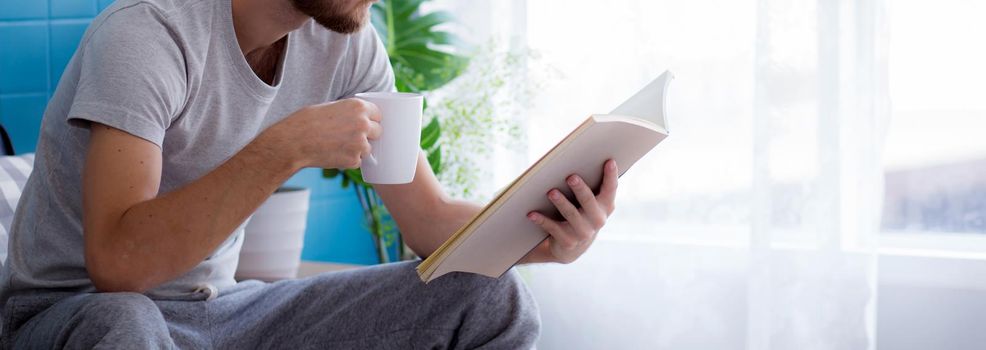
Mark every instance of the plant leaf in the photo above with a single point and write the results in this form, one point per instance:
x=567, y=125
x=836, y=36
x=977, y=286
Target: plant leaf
x=330, y=173
x=434, y=38
x=430, y=134
x=422, y=25
x=424, y=57
x=356, y=176
x=407, y=8
x=435, y=160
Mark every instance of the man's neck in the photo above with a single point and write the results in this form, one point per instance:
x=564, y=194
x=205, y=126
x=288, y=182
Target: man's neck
x=260, y=23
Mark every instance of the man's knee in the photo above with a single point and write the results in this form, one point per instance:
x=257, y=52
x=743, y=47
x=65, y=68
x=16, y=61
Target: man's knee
x=114, y=319
x=506, y=298
x=510, y=288
x=518, y=296
x=123, y=308
x=127, y=319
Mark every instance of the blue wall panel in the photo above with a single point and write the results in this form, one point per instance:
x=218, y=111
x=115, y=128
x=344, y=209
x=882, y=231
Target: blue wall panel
x=24, y=9
x=37, y=40
x=102, y=4
x=24, y=57
x=72, y=8
x=335, y=229
x=21, y=115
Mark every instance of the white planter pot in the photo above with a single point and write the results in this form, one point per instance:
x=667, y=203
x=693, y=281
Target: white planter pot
x=273, y=238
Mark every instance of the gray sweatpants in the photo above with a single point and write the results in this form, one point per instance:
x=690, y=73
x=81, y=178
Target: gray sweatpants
x=379, y=307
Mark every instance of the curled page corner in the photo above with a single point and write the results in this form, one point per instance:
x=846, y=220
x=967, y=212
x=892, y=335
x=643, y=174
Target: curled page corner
x=650, y=103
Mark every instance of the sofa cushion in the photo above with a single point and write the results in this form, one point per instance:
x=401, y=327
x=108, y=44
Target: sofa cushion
x=14, y=171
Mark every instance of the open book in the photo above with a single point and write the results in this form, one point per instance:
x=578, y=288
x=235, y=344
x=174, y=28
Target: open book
x=500, y=235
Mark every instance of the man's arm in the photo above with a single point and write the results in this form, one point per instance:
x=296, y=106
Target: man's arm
x=428, y=217
x=136, y=239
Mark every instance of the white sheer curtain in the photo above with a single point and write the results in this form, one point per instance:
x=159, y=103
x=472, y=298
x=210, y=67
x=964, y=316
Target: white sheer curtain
x=754, y=225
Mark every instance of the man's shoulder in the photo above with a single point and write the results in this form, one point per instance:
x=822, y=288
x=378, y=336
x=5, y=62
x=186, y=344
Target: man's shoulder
x=157, y=9
x=173, y=18
x=152, y=30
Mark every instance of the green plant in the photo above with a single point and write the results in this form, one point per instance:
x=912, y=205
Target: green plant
x=423, y=58
x=479, y=111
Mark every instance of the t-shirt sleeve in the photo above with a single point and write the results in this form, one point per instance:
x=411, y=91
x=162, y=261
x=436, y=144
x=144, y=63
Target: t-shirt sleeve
x=371, y=65
x=132, y=75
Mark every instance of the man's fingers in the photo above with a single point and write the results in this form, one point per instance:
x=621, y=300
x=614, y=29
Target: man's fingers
x=550, y=226
x=593, y=212
x=365, y=151
x=571, y=214
x=554, y=229
x=374, y=131
x=372, y=111
x=607, y=192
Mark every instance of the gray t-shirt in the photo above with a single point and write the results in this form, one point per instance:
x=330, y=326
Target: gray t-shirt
x=170, y=72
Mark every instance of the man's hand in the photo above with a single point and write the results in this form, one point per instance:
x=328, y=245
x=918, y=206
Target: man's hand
x=570, y=238
x=331, y=135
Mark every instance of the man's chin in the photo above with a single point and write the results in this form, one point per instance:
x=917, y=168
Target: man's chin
x=332, y=20
x=342, y=25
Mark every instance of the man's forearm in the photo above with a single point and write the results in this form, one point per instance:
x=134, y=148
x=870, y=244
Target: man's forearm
x=425, y=215
x=159, y=239
x=430, y=231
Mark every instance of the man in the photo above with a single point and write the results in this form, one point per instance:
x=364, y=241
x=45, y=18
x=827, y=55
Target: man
x=173, y=122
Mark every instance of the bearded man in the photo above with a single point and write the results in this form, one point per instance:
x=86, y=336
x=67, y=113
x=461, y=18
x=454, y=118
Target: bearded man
x=173, y=122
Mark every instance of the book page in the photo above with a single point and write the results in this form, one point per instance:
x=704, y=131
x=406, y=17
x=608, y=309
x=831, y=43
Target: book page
x=650, y=103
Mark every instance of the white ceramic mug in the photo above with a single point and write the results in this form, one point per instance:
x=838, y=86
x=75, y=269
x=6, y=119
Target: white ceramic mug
x=395, y=153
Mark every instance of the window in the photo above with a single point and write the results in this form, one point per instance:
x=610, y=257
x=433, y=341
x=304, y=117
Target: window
x=695, y=186
x=935, y=156
x=700, y=185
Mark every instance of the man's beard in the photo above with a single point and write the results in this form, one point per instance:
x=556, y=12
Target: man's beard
x=331, y=15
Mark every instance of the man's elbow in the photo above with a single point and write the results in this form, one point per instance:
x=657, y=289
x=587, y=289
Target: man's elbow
x=421, y=250
x=109, y=274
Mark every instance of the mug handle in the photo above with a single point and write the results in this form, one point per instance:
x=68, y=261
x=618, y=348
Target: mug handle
x=369, y=159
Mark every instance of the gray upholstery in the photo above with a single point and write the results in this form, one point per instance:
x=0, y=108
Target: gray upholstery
x=14, y=171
